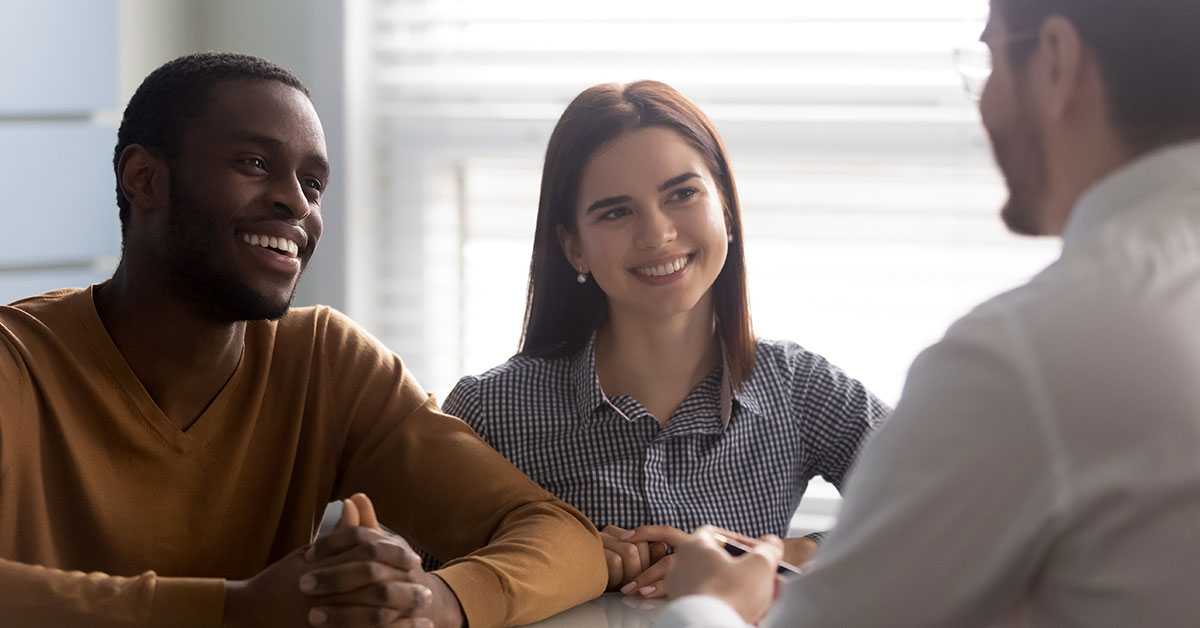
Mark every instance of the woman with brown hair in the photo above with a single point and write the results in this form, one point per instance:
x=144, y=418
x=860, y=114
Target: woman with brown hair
x=640, y=394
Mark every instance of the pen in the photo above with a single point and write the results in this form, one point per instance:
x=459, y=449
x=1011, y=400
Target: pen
x=737, y=548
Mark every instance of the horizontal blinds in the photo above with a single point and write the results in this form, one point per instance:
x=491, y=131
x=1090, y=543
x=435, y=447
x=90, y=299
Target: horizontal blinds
x=868, y=191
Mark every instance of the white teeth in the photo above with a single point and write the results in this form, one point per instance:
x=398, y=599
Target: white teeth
x=663, y=270
x=283, y=245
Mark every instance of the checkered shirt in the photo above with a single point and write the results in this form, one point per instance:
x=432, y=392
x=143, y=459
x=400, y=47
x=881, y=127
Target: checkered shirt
x=798, y=416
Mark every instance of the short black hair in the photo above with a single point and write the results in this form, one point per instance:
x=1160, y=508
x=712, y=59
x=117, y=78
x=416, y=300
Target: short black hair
x=1149, y=54
x=176, y=93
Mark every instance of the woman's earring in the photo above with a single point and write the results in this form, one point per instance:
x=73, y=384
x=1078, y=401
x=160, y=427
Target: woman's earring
x=581, y=278
x=729, y=238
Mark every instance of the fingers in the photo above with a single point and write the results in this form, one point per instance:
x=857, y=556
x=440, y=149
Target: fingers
x=615, y=570
x=649, y=583
x=704, y=538
x=350, y=516
x=654, y=590
x=349, y=577
x=665, y=534
x=366, y=510
x=363, y=544
x=365, y=616
x=658, y=550
x=624, y=560
x=768, y=548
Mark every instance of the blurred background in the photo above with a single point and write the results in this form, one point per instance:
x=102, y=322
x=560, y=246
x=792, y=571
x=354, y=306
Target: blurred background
x=868, y=191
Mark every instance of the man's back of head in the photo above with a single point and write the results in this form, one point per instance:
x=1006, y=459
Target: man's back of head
x=1148, y=52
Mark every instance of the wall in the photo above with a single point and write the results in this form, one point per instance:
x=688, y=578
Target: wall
x=70, y=66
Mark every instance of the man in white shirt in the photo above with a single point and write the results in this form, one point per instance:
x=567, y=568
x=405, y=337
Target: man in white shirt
x=1043, y=464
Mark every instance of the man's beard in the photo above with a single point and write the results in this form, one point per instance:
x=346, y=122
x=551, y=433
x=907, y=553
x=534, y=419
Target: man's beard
x=1022, y=160
x=215, y=289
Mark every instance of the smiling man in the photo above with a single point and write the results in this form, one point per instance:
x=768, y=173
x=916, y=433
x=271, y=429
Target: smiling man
x=177, y=430
x=1042, y=467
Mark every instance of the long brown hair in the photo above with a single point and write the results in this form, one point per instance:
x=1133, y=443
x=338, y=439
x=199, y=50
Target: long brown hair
x=560, y=313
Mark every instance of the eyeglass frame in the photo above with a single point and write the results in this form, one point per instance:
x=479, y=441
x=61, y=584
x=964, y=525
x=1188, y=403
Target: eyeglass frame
x=974, y=62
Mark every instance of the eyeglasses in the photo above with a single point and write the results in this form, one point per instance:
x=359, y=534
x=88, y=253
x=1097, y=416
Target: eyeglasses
x=974, y=62
x=974, y=65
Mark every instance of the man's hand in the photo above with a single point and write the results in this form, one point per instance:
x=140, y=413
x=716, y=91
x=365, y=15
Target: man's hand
x=359, y=575
x=377, y=581
x=747, y=583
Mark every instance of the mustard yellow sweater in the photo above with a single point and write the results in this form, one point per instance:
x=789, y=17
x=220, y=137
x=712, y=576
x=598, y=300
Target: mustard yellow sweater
x=112, y=516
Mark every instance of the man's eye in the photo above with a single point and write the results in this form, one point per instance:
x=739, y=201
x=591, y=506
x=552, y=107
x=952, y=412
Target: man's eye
x=256, y=162
x=314, y=184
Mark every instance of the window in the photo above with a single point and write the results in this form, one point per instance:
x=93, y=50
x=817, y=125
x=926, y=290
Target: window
x=868, y=190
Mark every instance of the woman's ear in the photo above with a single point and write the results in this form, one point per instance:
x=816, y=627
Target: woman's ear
x=143, y=178
x=570, y=249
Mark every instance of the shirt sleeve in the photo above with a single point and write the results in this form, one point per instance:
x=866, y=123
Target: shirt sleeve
x=699, y=611
x=514, y=552
x=839, y=414
x=937, y=526
x=38, y=597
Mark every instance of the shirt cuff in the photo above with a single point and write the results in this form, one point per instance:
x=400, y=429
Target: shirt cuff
x=479, y=593
x=188, y=602
x=699, y=611
x=817, y=537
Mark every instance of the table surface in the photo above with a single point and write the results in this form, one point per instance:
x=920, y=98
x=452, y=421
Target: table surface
x=611, y=610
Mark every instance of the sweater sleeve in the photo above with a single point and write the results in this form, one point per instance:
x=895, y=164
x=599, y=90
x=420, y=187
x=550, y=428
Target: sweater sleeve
x=515, y=553
x=38, y=597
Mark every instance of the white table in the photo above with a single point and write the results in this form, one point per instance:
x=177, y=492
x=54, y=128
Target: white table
x=611, y=610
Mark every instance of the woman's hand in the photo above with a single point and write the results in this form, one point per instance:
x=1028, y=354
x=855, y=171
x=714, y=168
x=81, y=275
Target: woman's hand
x=627, y=559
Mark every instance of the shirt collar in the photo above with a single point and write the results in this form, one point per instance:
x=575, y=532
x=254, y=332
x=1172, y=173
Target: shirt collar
x=1165, y=172
x=589, y=395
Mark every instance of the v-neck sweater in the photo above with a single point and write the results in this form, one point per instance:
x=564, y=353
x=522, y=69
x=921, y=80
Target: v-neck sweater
x=112, y=515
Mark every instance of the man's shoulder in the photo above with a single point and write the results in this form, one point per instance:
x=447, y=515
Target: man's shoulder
x=46, y=303
x=50, y=312
x=320, y=330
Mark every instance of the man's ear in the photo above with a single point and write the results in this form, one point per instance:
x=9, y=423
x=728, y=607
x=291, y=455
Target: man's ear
x=570, y=248
x=143, y=176
x=1064, y=75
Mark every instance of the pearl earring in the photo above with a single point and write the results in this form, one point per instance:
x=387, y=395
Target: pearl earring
x=581, y=278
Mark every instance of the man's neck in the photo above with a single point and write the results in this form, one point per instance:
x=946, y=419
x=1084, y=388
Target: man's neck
x=182, y=360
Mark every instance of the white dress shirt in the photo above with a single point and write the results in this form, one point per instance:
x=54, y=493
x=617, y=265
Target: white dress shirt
x=1043, y=464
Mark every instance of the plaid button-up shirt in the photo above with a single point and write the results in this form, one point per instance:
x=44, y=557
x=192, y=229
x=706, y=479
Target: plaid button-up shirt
x=740, y=460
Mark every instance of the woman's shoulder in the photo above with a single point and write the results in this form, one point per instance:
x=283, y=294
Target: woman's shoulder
x=521, y=367
x=782, y=356
x=518, y=371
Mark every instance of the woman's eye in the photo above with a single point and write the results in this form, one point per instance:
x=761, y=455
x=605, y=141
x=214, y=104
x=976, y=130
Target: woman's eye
x=683, y=194
x=614, y=213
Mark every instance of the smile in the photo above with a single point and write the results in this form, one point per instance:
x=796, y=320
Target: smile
x=669, y=268
x=282, y=245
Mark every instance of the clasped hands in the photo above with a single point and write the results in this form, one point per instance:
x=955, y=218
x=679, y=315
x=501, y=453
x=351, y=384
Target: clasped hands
x=640, y=563
x=358, y=575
